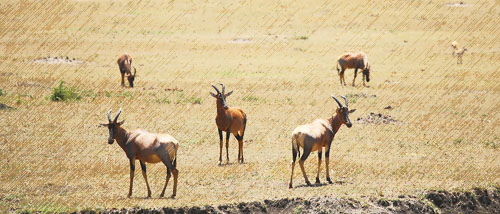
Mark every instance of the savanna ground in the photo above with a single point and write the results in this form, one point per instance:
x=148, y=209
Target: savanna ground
x=279, y=57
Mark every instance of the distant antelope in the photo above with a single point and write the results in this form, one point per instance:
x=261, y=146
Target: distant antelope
x=356, y=61
x=460, y=52
x=316, y=135
x=125, y=65
x=230, y=120
x=148, y=148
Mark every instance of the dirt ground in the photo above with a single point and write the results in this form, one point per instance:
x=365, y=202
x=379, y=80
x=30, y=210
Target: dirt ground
x=279, y=58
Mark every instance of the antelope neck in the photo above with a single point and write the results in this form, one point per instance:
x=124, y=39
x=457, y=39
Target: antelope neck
x=121, y=137
x=335, y=122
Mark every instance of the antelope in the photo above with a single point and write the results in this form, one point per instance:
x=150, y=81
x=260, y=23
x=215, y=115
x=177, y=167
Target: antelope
x=350, y=60
x=125, y=64
x=316, y=135
x=147, y=148
x=230, y=120
x=460, y=52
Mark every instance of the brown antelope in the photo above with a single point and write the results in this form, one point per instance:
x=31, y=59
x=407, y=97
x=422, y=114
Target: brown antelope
x=350, y=60
x=316, y=135
x=125, y=65
x=230, y=120
x=147, y=148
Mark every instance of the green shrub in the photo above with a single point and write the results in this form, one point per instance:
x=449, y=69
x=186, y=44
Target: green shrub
x=63, y=93
x=1, y=92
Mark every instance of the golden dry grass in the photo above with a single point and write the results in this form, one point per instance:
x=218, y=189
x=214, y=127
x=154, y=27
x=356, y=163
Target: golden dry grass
x=279, y=59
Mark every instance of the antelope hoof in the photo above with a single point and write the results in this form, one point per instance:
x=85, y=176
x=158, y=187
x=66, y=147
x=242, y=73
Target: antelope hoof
x=329, y=180
x=128, y=196
x=290, y=186
x=173, y=196
x=161, y=195
x=317, y=180
x=308, y=183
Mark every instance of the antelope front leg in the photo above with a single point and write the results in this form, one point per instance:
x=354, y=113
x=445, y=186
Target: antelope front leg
x=327, y=162
x=228, y=134
x=132, y=170
x=123, y=80
x=143, y=167
x=221, y=143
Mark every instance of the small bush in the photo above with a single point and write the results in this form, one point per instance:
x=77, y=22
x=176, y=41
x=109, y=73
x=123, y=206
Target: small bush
x=1, y=92
x=63, y=93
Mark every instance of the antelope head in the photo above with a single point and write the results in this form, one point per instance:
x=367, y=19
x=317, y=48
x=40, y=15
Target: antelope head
x=343, y=112
x=113, y=125
x=131, y=77
x=366, y=72
x=221, y=96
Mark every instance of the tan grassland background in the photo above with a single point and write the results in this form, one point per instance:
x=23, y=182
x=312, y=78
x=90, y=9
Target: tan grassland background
x=279, y=57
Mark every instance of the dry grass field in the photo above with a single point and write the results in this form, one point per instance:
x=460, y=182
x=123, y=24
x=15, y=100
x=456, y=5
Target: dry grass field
x=279, y=57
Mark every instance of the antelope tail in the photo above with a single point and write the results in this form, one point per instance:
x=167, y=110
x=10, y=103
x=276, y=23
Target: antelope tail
x=338, y=71
x=295, y=145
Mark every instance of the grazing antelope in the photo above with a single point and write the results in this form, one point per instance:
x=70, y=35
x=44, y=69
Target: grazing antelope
x=147, y=147
x=230, y=120
x=125, y=65
x=316, y=135
x=350, y=60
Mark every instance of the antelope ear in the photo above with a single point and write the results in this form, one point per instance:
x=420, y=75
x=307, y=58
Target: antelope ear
x=352, y=110
x=213, y=95
x=104, y=125
x=228, y=93
x=339, y=110
x=121, y=123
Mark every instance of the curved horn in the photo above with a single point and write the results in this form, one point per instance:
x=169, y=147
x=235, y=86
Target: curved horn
x=109, y=115
x=215, y=88
x=223, y=87
x=117, y=115
x=338, y=102
x=345, y=99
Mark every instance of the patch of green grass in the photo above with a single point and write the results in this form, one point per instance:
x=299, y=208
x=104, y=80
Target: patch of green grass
x=63, y=93
x=297, y=210
x=301, y=38
x=163, y=100
x=494, y=144
x=250, y=98
x=2, y=92
x=458, y=141
x=126, y=94
x=194, y=100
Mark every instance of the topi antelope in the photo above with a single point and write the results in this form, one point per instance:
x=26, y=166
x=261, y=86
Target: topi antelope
x=147, y=147
x=230, y=120
x=316, y=135
x=350, y=60
x=125, y=65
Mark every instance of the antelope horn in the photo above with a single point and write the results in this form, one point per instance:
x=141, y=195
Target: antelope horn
x=215, y=88
x=119, y=112
x=223, y=87
x=109, y=115
x=345, y=99
x=338, y=102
